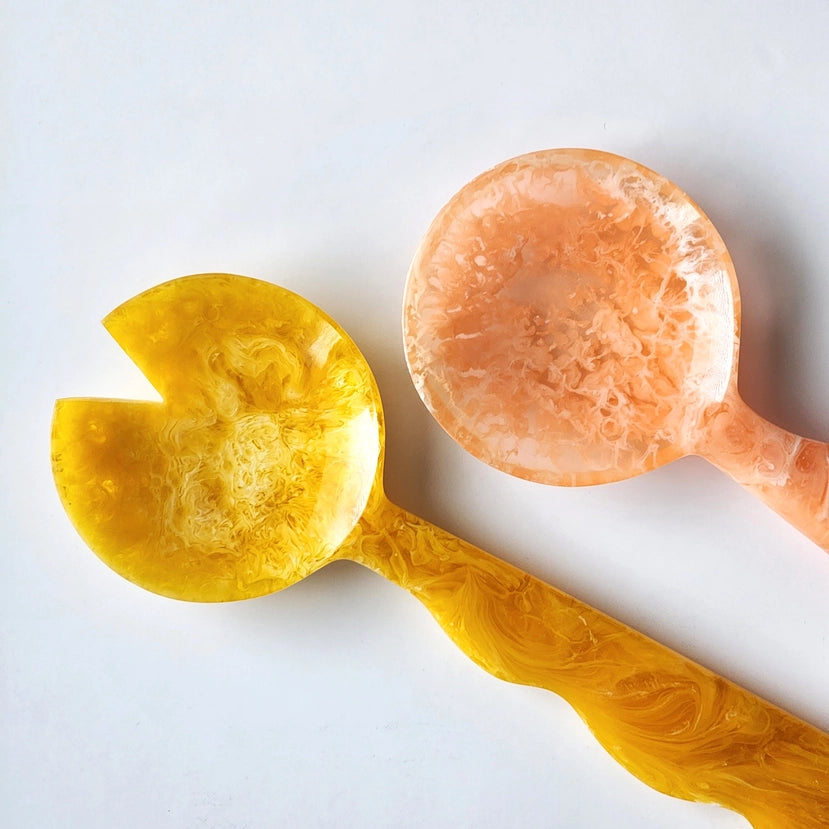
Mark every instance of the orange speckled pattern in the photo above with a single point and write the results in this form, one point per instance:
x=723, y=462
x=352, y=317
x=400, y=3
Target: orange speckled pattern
x=264, y=462
x=788, y=472
x=572, y=317
x=568, y=314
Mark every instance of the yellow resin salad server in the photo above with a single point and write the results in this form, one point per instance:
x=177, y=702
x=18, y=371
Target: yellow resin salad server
x=264, y=462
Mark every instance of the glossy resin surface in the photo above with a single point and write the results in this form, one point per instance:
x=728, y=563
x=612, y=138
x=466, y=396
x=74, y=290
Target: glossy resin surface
x=254, y=468
x=265, y=461
x=572, y=317
x=569, y=314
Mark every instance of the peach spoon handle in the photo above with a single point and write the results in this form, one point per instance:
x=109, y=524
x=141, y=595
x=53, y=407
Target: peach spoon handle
x=788, y=473
x=677, y=726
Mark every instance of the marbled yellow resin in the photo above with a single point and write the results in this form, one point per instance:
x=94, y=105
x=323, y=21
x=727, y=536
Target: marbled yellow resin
x=573, y=318
x=264, y=462
x=255, y=467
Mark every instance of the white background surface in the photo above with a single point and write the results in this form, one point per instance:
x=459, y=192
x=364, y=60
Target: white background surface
x=311, y=144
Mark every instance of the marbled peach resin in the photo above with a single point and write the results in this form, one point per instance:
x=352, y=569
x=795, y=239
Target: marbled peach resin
x=573, y=318
x=265, y=461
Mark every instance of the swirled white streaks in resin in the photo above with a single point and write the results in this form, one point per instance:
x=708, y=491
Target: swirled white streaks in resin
x=573, y=318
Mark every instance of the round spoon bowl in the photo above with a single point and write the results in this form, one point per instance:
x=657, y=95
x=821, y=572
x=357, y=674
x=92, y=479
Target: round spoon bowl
x=570, y=315
x=257, y=465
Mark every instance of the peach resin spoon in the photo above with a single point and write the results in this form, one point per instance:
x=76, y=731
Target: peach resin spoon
x=573, y=318
x=265, y=461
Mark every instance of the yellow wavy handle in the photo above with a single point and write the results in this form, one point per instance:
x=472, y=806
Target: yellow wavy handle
x=677, y=726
